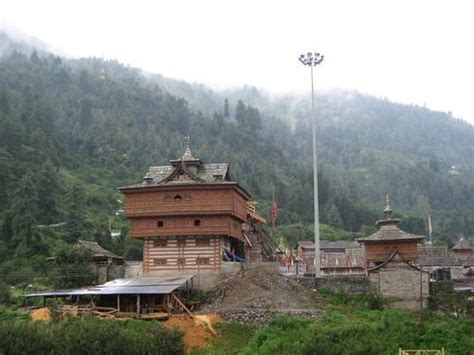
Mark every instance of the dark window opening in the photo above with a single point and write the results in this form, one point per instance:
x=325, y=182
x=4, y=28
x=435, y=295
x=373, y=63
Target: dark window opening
x=160, y=261
x=178, y=198
x=197, y=222
x=181, y=242
x=203, y=242
x=160, y=224
x=160, y=243
x=203, y=261
x=440, y=274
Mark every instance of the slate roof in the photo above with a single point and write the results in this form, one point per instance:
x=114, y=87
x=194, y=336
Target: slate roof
x=96, y=250
x=204, y=172
x=390, y=232
x=388, y=228
x=436, y=255
x=462, y=244
x=185, y=170
x=306, y=244
x=329, y=244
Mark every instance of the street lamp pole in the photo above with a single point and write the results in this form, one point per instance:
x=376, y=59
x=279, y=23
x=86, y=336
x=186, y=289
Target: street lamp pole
x=312, y=60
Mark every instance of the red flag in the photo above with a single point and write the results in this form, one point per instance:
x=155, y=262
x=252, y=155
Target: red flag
x=274, y=211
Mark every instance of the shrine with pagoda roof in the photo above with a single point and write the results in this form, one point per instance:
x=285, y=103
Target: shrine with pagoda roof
x=392, y=263
x=390, y=238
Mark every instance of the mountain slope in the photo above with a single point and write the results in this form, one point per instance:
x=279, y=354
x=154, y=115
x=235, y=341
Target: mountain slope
x=71, y=131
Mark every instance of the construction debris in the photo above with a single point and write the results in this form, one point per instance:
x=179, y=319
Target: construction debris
x=259, y=295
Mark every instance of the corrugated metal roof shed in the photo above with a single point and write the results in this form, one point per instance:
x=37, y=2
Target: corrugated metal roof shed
x=141, y=286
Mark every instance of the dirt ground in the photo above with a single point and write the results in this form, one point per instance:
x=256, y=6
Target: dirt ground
x=258, y=295
x=41, y=314
x=198, y=332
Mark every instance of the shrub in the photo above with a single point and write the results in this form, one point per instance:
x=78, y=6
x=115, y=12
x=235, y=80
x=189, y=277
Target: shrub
x=5, y=295
x=362, y=332
x=89, y=336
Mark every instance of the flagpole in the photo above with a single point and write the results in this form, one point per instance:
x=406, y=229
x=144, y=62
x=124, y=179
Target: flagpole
x=430, y=229
x=271, y=212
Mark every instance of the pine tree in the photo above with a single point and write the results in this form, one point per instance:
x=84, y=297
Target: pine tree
x=226, y=108
x=240, y=113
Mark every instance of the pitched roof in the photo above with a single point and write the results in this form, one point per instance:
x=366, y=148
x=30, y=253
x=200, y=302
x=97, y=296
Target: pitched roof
x=390, y=232
x=388, y=228
x=329, y=244
x=96, y=250
x=186, y=170
x=462, y=244
x=339, y=244
x=306, y=244
x=436, y=255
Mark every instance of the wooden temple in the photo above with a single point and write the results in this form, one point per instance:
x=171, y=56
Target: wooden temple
x=393, y=264
x=388, y=239
x=190, y=216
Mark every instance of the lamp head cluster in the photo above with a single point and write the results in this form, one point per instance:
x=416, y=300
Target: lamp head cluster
x=311, y=59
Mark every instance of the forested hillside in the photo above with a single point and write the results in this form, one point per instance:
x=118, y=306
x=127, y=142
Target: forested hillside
x=71, y=131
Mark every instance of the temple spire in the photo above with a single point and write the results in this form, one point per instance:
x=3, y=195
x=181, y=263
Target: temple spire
x=187, y=155
x=387, y=212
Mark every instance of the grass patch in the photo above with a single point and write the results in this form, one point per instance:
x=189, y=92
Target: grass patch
x=363, y=332
x=232, y=338
x=360, y=301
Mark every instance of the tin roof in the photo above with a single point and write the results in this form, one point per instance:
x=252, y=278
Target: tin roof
x=140, y=286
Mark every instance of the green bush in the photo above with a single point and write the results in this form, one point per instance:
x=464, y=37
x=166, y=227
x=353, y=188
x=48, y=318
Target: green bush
x=88, y=336
x=362, y=332
x=5, y=295
x=368, y=300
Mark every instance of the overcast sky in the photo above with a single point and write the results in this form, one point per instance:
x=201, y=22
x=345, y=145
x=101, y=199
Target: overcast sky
x=413, y=51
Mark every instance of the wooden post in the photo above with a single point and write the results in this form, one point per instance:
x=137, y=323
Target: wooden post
x=199, y=274
x=421, y=294
x=138, y=305
x=182, y=305
x=118, y=302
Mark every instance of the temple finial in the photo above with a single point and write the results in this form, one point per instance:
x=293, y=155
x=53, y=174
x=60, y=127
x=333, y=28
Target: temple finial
x=387, y=211
x=187, y=155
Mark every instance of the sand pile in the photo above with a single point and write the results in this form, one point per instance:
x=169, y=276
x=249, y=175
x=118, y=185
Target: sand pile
x=42, y=314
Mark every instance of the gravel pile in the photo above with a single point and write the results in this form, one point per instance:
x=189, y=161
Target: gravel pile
x=260, y=295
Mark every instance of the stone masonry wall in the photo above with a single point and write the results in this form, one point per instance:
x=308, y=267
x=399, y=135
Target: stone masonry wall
x=402, y=285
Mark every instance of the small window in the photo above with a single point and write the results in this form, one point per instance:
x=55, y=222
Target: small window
x=178, y=198
x=202, y=242
x=160, y=261
x=181, y=261
x=202, y=261
x=160, y=224
x=160, y=242
x=181, y=242
x=197, y=222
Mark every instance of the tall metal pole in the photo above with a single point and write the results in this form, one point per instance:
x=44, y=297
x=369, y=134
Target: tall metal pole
x=313, y=60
